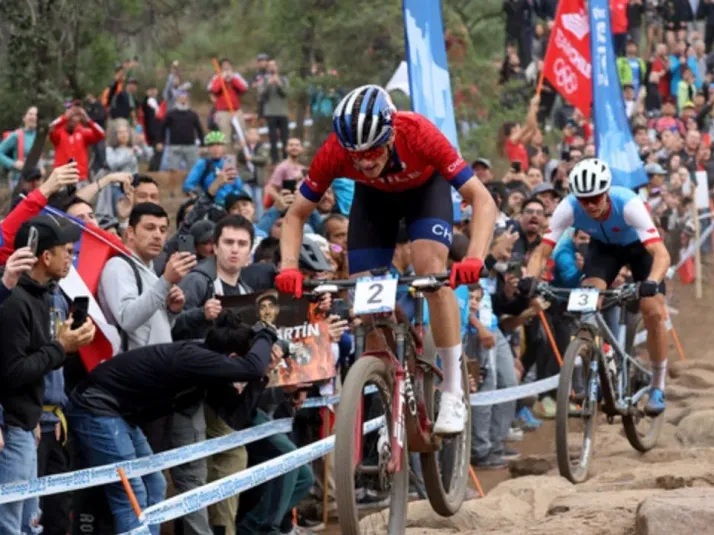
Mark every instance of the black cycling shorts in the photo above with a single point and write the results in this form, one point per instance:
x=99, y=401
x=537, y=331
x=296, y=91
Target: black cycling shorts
x=604, y=261
x=375, y=217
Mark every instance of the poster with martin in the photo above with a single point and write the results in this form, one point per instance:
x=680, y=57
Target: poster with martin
x=301, y=323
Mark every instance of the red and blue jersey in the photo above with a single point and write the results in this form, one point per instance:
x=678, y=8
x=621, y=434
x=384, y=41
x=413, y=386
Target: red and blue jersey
x=420, y=150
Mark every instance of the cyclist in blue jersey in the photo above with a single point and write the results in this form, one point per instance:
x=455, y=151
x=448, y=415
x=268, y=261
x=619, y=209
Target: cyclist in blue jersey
x=622, y=233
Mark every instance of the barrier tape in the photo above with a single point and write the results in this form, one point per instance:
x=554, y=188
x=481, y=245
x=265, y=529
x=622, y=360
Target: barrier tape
x=516, y=392
x=214, y=492
x=101, y=475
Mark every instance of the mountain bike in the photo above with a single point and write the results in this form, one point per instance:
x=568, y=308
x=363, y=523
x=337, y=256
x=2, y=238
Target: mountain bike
x=595, y=376
x=398, y=382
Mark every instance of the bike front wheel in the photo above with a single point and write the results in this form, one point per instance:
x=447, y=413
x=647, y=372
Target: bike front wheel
x=369, y=464
x=446, y=471
x=642, y=431
x=576, y=410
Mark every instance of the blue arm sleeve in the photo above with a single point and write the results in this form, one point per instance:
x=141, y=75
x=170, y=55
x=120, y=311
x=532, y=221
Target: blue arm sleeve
x=7, y=147
x=194, y=175
x=266, y=222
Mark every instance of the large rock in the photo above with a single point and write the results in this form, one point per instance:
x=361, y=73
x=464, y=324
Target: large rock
x=696, y=379
x=678, y=367
x=536, y=491
x=532, y=465
x=689, y=511
x=697, y=429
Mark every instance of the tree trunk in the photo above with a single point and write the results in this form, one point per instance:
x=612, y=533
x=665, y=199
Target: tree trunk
x=307, y=46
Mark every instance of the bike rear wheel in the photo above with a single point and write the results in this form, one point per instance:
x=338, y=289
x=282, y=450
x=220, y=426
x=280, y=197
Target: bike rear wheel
x=642, y=431
x=367, y=370
x=574, y=434
x=446, y=471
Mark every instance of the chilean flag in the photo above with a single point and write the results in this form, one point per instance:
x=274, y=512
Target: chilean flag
x=94, y=248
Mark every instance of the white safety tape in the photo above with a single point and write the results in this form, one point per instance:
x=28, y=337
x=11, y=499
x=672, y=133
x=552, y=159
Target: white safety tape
x=641, y=337
x=101, y=475
x=517, y=392
x=214, y=492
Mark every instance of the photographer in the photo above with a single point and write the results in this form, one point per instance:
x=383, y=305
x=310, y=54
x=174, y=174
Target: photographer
x=151, y=382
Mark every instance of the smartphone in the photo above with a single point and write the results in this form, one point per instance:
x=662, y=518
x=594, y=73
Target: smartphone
x=186, y=244
x=79, y=311
x=290, y=185
x=515, y=269
x=341, y=308
x=33, y=239
x=516, y=166
x=229, y=160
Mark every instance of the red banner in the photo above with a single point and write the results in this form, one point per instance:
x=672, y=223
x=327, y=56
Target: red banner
x=567, y=61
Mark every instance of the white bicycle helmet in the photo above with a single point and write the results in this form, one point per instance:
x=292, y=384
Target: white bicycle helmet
x=590, y=177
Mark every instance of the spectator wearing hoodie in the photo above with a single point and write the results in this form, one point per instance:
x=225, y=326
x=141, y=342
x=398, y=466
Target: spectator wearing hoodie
x=34, y=344
x=216, y=276
x=208, y=170
x=569, y=260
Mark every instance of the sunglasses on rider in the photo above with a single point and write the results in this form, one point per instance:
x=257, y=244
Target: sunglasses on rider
x=595, y=199
x=369, y=155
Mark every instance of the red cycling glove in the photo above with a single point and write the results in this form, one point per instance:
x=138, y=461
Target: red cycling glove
x=468, y=271
x=289, y=281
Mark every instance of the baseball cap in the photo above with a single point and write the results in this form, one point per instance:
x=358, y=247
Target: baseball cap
x=271, y=295
x=545, y=187
x=668, y=100
x=262, y=56
x=202, y=231
x=233, y=198
x=50, y=233
x=689, y=104
x=654, y=169
x=482, y=161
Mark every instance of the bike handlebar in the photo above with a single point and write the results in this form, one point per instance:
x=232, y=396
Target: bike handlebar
x=426, y=282
x=626, y=292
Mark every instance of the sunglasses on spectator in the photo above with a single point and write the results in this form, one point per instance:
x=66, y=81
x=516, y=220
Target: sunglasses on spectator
x=369, y=155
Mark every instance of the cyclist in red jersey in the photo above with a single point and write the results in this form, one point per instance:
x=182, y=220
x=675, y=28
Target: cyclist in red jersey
x=404, y=168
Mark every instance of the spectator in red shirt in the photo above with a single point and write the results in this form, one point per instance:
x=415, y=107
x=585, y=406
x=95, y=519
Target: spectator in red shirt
x=235, y=85
x=72, y=134
x=659, y=71
x=618, y=20
x=513, y=138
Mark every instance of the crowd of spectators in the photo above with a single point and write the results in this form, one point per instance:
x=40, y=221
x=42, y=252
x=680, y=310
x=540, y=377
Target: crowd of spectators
x=164, y=299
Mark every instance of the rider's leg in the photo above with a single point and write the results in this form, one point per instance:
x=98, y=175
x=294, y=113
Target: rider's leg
x=429, y=257
x=654, y=318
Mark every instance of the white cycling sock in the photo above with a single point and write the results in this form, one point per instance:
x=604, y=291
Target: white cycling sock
x=451, y=364
x=659, y=374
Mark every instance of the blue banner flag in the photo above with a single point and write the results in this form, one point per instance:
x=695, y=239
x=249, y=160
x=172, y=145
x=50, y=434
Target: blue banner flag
x=613, y=138
x=429, y=83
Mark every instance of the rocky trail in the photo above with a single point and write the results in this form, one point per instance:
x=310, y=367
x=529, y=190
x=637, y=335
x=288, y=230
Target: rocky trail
x=668, y=490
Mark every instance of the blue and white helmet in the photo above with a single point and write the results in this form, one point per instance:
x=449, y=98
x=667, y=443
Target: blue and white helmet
x=363, y=119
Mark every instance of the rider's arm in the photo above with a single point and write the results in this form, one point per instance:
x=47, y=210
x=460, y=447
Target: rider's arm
x=637, y=216
x=484, y=218
x=291, y=234
x=563, y=218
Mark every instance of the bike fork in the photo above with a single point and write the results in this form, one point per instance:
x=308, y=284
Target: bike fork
x=398, y=423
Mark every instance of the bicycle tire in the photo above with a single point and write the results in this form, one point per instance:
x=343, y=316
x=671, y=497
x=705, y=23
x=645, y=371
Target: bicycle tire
x=562, y=417
x=453, y=458
x=365, y=370
x=641, y=441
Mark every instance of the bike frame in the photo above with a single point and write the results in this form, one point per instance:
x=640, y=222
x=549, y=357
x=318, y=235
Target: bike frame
x=621, y=404
x=408, y=409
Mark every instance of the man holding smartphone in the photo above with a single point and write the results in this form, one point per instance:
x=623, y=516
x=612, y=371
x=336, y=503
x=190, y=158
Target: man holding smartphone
x=34, y=344
x=287, y=175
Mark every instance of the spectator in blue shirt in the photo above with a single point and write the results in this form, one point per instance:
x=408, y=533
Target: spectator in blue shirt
x=569, y=258
x=212, y=168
